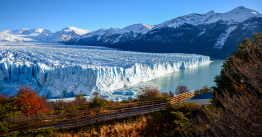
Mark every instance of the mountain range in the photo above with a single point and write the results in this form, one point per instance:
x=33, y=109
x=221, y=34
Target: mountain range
x=214, y=34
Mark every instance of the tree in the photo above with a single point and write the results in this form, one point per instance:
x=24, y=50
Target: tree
x=181, y=89
x=8, y=109
x=80, y=100
x=169, y=121
x=237, y=106
x=151, y=93
x=241, y=111
x=29, y=96
x=98, y=102
x=245, y=52
x=205, y=89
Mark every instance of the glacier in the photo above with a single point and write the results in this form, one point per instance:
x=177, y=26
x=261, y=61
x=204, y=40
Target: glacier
x=57, y=71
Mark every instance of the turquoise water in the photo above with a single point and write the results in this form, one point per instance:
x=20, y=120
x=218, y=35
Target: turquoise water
x=193, y=78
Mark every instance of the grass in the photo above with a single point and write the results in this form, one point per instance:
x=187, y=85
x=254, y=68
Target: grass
x=124, y=127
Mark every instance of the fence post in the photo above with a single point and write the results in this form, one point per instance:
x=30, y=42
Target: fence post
x=110, y=109
x=152, y=108
x=62, y=126
x=161, y=105
x=117, y=115
x=45, y=122
x=29, y=124
x=76, y=124
x=104, y=117
x=91, y=121
x=13, y=124
x=140, y=112
x=152, y=104
x=128, y=114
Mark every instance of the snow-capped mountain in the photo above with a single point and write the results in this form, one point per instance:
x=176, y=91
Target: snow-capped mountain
x=136, y=28
x=97, y=34
x=234, y=16
x=75, y=30
x=19, y=35
x=113, y=35
x=43, y=35
x=62, y=36
x=213, y=34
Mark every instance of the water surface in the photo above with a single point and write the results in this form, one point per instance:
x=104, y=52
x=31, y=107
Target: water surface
x=193, y=78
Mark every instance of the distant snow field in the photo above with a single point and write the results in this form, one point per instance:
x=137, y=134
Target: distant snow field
x=57, y=71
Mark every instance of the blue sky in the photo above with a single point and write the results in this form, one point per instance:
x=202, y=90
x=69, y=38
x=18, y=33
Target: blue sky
x=55, y=15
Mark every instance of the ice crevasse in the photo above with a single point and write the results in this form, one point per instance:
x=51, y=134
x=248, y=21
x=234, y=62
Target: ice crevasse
x=58, y=72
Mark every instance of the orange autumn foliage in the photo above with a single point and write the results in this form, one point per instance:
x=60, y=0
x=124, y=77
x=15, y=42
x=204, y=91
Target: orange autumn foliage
x=242, y=87
x=37, y=104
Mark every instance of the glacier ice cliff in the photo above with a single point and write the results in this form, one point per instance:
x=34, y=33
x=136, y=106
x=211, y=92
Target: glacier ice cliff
x=59, y=72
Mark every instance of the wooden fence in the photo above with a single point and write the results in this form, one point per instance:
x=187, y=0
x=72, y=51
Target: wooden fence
x=179, y=98
x=102, y=114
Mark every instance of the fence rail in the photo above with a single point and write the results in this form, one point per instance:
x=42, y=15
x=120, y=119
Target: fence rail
x=101, y=114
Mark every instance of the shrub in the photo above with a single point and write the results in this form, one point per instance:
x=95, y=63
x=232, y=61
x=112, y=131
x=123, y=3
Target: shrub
x=80, y=100
x=98, y=102
x=4, y=98
x=169, y=122
x=29, y=96
x=7, y=110
x=181, y=89
x=151, y=93
x=204, y=90
x=240, y=116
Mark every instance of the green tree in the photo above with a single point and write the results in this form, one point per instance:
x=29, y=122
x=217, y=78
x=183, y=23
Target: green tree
x=98, y=102
x=205, y=89
x=229, y=74
x=7, y=110
x=236, y=108
x=172, y=120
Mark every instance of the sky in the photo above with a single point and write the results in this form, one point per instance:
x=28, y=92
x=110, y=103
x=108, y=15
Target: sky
x=55, y=15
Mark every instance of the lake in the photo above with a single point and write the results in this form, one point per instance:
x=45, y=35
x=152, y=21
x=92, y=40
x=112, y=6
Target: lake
x=193, y=78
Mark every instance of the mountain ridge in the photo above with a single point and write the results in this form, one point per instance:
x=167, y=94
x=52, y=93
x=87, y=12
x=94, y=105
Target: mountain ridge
x=180, y=34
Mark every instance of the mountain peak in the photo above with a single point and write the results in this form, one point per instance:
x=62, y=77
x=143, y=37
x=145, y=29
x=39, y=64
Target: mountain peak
x=136, y=28
x=148, y=26
x=76, y=30
x=211, y=12
x=240, y=7
x=68, y=28
x=243, y=10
